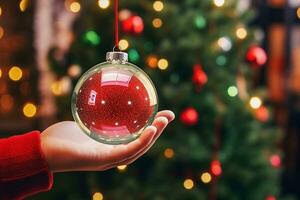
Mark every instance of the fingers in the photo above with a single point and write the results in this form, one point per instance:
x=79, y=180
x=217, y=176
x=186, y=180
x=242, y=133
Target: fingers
x=167, y=114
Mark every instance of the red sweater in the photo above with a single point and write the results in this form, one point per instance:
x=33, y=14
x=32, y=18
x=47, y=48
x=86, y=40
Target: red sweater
x=23, y=168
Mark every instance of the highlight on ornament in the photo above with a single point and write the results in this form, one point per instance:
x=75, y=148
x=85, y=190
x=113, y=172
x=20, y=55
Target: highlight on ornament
x=114, y=101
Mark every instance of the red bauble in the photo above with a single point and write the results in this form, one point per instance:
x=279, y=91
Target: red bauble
x=133, y=24
x=256, y=56
x=114, y=104
x=199, y=76
x=189, y=116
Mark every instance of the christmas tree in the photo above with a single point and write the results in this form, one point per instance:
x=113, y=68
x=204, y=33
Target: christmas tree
x=202, y=57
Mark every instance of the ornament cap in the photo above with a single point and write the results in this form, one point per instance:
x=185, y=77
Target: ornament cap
x=117, y=56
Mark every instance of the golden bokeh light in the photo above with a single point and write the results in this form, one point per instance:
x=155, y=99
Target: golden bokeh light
x=157, y=23
x=163, y=64
x=255, y=102
x=0, y=73
x=298, y=12
x=205, y=177
x=241, y=33
x=29, y=110
x=122, y=167
x=169, y=153
x=0, y=11
x=23, y=5
x=123, y=44
x=15, y=73
x=56, y=88
x=75, y=7
x=152, y=61
x=219, y=3
x=188, y=184
x=1, y=32
x=98, y=196
x=158, y=6
x=103, y=4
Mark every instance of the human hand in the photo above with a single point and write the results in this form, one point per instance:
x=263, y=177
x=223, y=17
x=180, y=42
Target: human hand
x=67, y=148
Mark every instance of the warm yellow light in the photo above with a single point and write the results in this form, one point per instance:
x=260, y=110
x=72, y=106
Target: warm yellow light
x=122, y=167
x=169, y=153
x=29, y=110
x=74, y=70
x=103, y=4
x=205, y=177
x=123, y=44
x=98, y=196
x=23, y=5
x=0, y=11
x=188, y=184
x=1, y=32
x=255, y=102
x=15, y=73
x=219, y=3
x=56, y=88
x=158, y=6
x=241, y=33
x=152, y=61
x=298, y=12
x=157, y=23
x=163, y=64
x=0, y=73
x=75, y=7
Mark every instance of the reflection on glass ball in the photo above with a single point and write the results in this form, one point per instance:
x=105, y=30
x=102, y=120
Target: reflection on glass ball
x=114, y=102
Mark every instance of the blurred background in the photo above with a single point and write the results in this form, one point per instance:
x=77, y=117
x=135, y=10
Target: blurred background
x=229, y=69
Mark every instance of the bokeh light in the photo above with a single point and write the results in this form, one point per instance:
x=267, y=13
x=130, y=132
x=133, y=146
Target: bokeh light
x=74, y=70
x=188, y=184
x=98, y=196
x=205, y=177
x=232, y=91
x=103, y=4
x=169, y=153
x=0, y=11
x=0, y=73
x=270, y=197
x=75, y=7
x=221, y=60
x=163, y=64
x=298, y=12
x=122, y=167
x=255, y=102
x=1, y=32
x=29, y=110
x=275, y=161
x=152, y=61
x=23, y=5
x=92, y=37
x=219, y=3
x=123, y=44
x=133, y=55
x=56, y=88
x=157, y=23
x=216, y=168
x=15, y=73
x=158, y=6
x=241, y=33
x=225, y=43
x=200, y=22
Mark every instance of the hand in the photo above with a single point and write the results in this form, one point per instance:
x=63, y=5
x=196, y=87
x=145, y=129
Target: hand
x=67, y=148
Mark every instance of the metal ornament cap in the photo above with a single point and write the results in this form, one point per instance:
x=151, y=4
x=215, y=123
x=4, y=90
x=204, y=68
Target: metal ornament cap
x=117, y=56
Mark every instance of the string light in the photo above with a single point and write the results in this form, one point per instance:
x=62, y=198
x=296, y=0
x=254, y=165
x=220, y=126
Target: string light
x=75, y=7
x=232, y=91
x=0, y=11
x=122, y=167
x=200, y=22
x=157, y=23
x=0, y=73
x=74, y=71
x=205, y=177
x=15, y=73
x=123, y=44
x=275, y=161
x=163, y=64
x=298, y=12
x=241, y=33
x=169, y=153
x=98, y=196
x=216, y=168
x=225, y=43
x=103, y=4
x=152, y=61
x=23, y=5
x=92, y=37
x=158, y=6
x=1, y=32
x=133, y=55
x=188, y=184
x=219, y=3
x=56, y=88
x=29, y=110
x=255, y=102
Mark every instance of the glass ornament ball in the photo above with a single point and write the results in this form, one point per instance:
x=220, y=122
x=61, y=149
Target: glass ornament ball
x=114, y=101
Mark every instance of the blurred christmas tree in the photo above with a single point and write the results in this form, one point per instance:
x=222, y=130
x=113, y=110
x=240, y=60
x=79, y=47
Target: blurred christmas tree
x=201, y=56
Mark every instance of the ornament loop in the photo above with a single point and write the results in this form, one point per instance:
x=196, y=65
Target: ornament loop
x=117, y=56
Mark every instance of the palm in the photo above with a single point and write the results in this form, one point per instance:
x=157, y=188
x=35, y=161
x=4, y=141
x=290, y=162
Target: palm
x=68, y=148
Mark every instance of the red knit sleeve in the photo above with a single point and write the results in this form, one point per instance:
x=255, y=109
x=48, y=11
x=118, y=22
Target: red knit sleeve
x=23, y=169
